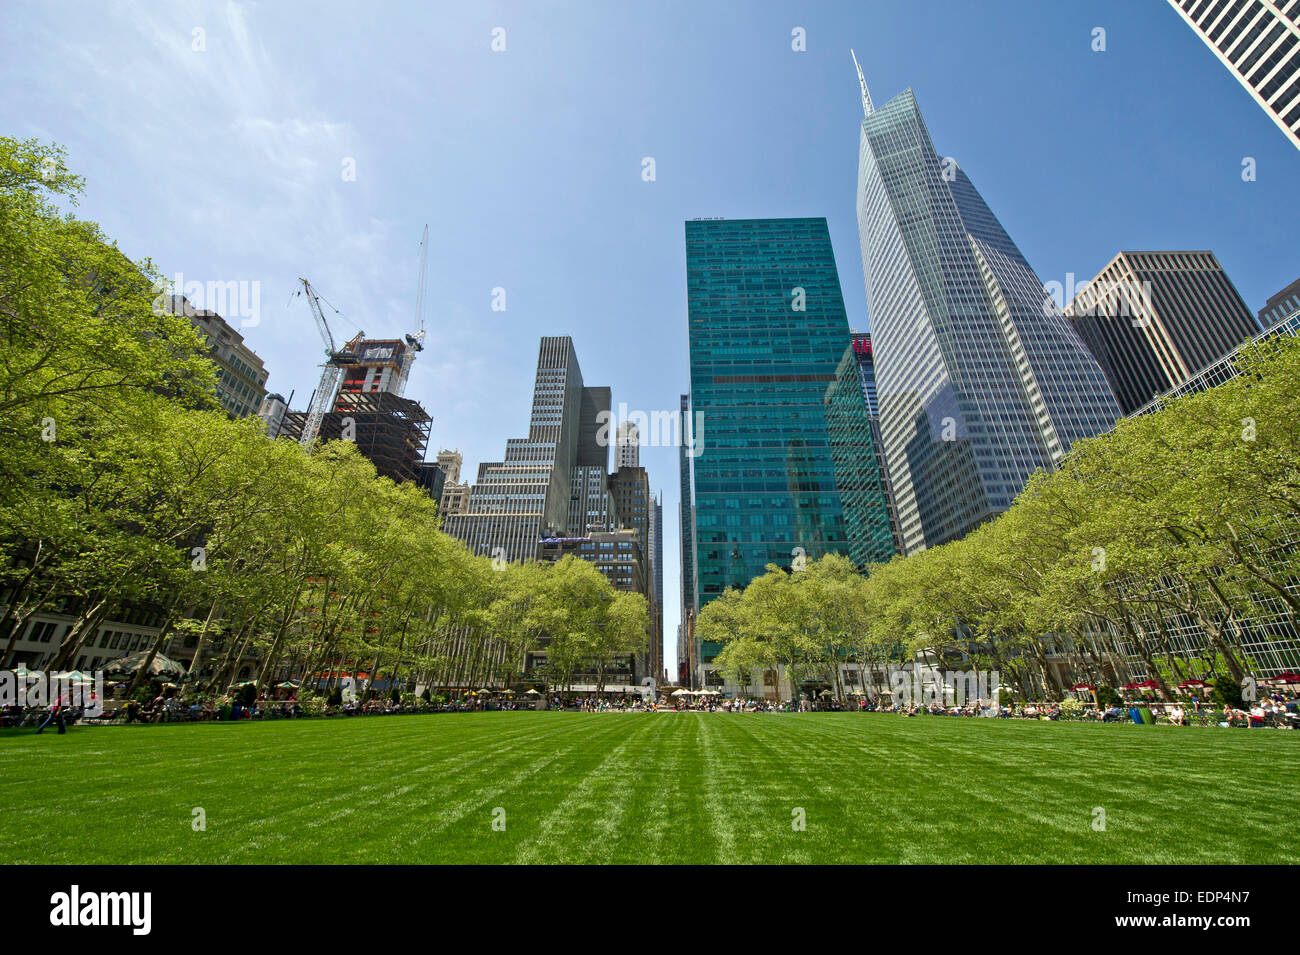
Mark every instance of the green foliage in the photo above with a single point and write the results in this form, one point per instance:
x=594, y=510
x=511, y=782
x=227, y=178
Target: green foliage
x=1107, y=696
x=123, y=484
x=1192, y=511
x=1225, y=691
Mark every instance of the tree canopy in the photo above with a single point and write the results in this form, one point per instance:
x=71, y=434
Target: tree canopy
x=124, y=484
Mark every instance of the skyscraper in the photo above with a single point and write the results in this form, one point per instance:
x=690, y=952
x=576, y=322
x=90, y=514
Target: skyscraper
x=685, y=511
x=628, y=450
x=630, y=489
x=1154, y=319
x=530, y=494
x=369, y=410
x=865, y=359
x=856, y=462
x=981, y=380
x=449, y=462
x=1280, y=305
x=657, y=574
x=768, y=335
x=1259, y=42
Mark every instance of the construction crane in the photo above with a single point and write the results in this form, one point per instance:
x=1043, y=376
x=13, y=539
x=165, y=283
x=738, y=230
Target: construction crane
x=416, y=341
x=323, y=398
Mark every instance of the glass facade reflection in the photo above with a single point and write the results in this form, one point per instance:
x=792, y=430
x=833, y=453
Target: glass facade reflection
x=768, y=336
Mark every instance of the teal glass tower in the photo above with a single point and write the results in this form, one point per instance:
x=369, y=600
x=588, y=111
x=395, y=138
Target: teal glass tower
x=772, y=479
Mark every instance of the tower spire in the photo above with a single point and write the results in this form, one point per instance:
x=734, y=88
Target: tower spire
x=867, y=108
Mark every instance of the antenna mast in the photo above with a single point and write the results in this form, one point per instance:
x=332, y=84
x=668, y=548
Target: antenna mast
x=867, y=108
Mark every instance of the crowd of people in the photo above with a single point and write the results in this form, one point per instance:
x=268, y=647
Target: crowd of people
x=167, y=704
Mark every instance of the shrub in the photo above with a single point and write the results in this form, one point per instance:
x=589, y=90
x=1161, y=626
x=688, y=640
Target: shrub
x=1107, y=696
x=335, y=697
x=1226, y=691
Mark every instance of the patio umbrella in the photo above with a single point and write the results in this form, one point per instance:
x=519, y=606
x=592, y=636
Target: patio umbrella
x=161, y=665
x=682, y=692
x=1289, y=676
x=1186, y=683
x=531, y=692
x=1083, y=686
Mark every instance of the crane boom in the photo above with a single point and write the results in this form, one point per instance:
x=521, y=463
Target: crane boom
x=323, y=398
x=419, y=296
x=321, y=325
x=415, y=342
x=320, y=403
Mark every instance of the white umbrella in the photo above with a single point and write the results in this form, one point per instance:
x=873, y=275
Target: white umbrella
x=682, y=692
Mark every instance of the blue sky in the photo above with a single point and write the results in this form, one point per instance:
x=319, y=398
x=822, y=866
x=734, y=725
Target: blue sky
x=225, y=164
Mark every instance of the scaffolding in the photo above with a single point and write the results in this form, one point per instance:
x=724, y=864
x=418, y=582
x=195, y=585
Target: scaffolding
x=389, y=430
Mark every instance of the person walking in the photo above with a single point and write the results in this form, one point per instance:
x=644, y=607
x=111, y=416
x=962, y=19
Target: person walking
x=56, y=715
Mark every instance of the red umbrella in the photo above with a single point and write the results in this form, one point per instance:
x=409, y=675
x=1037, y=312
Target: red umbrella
x=1290, y=676
x=1146, y=685
x=1083, y=686
x=1130, y=686
x=1192, y=683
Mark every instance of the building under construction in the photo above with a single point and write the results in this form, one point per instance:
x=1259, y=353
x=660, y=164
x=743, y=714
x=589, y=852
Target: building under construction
x=369, y=410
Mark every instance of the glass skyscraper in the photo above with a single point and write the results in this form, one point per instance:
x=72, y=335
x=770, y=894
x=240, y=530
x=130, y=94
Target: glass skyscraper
x=980, y=378
x=865, y=359
x=768, y=336
x=857, y=465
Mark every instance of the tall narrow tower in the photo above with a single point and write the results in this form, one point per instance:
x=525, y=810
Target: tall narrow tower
x=981, y=380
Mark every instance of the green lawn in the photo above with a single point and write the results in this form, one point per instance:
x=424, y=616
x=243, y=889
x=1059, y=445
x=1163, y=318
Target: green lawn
x=649, y=787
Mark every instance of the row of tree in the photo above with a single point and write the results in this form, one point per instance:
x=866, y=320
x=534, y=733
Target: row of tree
x=1168, y=548
x=123, y=485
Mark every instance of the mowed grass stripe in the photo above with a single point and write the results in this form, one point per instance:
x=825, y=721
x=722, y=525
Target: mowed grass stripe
x=1019, y=778
x=655, y=787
